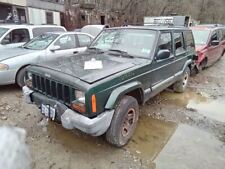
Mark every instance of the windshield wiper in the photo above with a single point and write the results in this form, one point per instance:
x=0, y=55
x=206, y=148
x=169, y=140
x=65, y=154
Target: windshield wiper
x=96, y=49
x=25, y=47
x=121, y=53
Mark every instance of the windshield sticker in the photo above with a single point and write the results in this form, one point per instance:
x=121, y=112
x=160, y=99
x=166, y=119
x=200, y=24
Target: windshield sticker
x=93, y=64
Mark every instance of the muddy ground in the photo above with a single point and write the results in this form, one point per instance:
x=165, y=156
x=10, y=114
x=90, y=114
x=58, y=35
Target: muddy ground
x=175, y=131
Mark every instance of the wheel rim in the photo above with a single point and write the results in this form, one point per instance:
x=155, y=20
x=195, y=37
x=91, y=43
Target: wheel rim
x=129, y=122
x=185, y=80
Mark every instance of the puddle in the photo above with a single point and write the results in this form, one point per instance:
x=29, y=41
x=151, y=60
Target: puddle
x=214, y=109
x=150, y=137
x=182, y=99
x=201, y=103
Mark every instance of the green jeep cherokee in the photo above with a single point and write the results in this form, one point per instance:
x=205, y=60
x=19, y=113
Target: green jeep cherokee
x=99, y=91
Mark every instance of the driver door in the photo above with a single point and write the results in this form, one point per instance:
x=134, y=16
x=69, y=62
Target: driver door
x=163, y=70
x=213, y=52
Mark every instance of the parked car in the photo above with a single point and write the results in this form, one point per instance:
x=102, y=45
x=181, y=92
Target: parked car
x=99, y=91
x=12, y=35
x=45, y=47
x=210, y=44
x=93, y=30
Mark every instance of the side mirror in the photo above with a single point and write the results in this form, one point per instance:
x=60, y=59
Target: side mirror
x=5, y=41
x=54, y=48
x=163, y=54
x=215, y=42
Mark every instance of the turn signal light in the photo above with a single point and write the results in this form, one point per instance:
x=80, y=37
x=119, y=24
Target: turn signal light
x=93, y=103
x=77, y=106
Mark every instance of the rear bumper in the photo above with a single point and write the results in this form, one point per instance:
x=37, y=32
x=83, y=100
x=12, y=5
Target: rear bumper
x=69, y=118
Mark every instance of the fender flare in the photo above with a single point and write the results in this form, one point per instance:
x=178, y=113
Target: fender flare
x=187, y=64
x=121, y=91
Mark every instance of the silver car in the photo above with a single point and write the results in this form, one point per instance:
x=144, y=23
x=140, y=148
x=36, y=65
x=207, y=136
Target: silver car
x=13, y=35
x=40, y=49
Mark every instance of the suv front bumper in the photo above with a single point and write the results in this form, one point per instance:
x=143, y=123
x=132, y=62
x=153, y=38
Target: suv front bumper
x=69, y=118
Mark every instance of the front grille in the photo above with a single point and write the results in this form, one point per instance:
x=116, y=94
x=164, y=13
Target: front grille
x=53, y=89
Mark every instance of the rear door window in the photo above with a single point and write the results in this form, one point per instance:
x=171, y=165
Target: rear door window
x=16, y=36
x=223, y=34
x=214, y=36
x=220, y=35
x=179, y=43
x=66, y=42
x=41, y=30
x=189, y=40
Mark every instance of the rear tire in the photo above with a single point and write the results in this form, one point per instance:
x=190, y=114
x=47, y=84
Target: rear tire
x=181, y=85
x=20, y=78
x=124, y=122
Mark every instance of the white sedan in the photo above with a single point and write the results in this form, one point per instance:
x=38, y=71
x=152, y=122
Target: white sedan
x=40, y=49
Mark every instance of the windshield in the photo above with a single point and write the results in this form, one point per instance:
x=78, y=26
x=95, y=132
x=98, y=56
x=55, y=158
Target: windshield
x=3, y=31
x=41, y=42
x=134, y=42
x=201, y=36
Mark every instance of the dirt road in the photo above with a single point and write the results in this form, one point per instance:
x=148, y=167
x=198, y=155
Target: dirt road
x=175, y=131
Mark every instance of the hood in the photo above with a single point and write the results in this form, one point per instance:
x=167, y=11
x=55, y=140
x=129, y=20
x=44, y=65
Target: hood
x=75, y=65
x=13, y=52
x=199, y=48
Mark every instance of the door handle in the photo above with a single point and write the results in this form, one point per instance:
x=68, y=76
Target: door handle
x=75, y=52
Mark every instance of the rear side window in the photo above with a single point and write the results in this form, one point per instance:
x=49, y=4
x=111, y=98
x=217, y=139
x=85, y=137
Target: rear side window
x=41, y=30
x=84, y=40
x=165, y=41
x=16, y=36
x=189, y=40
x=179, y=42
x=66, y=42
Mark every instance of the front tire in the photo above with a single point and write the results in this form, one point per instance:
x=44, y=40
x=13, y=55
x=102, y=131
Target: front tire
x=20, y=78
x=181, y=85
x=124, y=122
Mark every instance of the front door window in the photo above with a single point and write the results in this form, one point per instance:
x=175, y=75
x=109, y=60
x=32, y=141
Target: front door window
x=16, y=36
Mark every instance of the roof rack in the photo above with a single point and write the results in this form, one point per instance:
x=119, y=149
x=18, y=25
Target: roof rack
x=175, y=20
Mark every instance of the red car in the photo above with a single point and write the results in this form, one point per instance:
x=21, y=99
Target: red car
x=210, y=44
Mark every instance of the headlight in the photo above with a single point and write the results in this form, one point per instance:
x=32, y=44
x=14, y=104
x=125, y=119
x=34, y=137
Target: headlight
x=79, y=103
x=3, y=67
x=80, y=96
